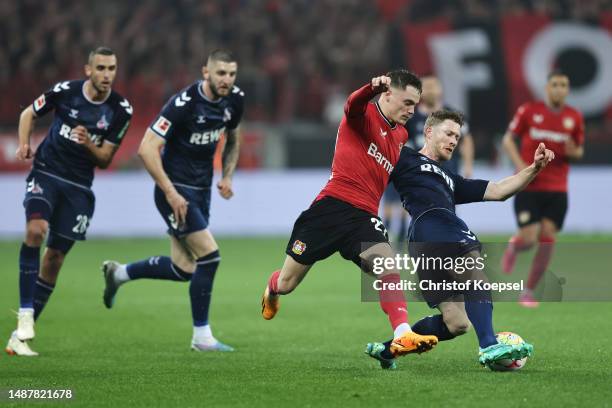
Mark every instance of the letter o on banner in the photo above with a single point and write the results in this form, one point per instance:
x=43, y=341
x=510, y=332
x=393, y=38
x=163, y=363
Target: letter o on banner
x=547, y=44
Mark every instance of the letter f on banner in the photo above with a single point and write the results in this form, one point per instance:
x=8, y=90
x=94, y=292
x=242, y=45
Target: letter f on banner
x=449, y=52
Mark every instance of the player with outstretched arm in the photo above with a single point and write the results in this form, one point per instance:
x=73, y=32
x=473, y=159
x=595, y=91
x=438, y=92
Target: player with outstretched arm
x=430, y=193
x=344, y=216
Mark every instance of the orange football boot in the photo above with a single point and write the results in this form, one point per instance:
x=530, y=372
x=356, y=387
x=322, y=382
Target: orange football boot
x=411, y=342
x=269, y=304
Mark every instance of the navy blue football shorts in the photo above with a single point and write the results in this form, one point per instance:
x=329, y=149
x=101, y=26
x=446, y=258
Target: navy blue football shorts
x=439, y=237
x=198, y=210
x=67, y=206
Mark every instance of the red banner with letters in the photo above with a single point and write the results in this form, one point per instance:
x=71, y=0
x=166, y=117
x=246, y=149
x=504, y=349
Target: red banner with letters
x=488, y=69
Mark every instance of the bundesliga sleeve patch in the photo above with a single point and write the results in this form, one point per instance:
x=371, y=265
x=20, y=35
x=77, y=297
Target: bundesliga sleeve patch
x=39, y=103
x=162, y=125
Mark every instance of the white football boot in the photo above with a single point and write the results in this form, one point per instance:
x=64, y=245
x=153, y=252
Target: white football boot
x=16, y=347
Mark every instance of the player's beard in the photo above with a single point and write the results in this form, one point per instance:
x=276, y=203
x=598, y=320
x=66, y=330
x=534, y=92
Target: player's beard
x=98, y=87
x=215, y=91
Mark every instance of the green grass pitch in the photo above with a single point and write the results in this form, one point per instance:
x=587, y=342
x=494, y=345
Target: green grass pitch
x=311, y=354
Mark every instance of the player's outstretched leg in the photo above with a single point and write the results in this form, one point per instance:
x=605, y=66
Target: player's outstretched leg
x=155, y=267
x=281, y=282
x=16, y=347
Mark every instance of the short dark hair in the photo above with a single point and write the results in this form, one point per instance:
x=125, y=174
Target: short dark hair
x=401, y=78
x=440, y=116
x=221, y=54
x=102, y=50
x=556, y=73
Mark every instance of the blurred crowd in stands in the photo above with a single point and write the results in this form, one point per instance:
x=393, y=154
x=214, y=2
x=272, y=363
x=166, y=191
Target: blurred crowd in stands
x=293, y=55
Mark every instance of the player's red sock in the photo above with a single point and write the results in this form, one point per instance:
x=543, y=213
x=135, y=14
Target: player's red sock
x=515, y=245
x=393, y=302
x=273, y=282
x=540, y=261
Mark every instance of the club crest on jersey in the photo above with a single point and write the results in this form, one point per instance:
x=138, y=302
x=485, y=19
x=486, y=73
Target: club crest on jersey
x=34, y=187
x=40, y=102
x=74, y=113
x=102, y=123
x=524, y=217
x=538, y=118
x=568, y=123
x=162, y=125
x=298, y=247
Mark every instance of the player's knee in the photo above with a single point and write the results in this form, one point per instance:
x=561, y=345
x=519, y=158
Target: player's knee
x=184, y=265
x=527, y=239
x=457, y=325
x=36, y=231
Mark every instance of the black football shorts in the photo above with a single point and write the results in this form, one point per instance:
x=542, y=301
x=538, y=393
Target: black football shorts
x=331, y=225
x=531, y=206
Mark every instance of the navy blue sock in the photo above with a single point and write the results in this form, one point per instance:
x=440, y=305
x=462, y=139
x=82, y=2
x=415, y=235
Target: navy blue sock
x=156, y=267
x=433, y=325
x=42, y=293
x=201, y=287
x=29, y=265
x=480, y=313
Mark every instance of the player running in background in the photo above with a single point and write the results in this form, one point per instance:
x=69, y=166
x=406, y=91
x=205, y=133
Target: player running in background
x=89, y=123
x=343, y=217
x=432, y=100
x=188, y=130
x=540, y=209
x=430, y=192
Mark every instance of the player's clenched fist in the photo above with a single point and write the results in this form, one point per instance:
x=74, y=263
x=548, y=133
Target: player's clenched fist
x=542, y=156
x=381, y=83
x=225, y=188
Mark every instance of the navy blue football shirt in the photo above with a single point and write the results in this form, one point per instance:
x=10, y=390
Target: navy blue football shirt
x=192, y=125
x=423, y=184
x=106, y=121
x=416, y=140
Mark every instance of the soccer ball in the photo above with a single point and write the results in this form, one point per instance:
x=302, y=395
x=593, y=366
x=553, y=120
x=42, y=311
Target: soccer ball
x=508, y=364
